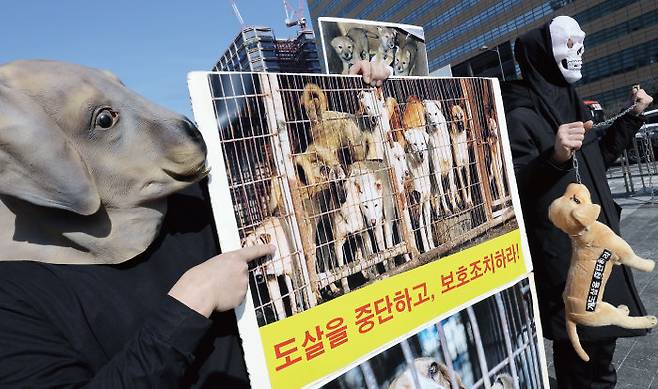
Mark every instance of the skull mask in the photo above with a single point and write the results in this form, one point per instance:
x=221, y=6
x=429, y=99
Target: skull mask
x=568, y=48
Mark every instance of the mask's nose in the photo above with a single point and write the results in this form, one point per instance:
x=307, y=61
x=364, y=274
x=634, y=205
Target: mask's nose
x=192, y=132
x=190, y=129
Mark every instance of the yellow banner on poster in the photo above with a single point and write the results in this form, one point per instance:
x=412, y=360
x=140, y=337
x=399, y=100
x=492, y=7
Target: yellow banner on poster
x=310, y=345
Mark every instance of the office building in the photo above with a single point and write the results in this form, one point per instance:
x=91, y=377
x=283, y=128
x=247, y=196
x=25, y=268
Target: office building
x=256, y=49
x=621, y=47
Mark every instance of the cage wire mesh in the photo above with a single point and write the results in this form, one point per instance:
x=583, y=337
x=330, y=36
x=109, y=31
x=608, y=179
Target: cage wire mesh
x=354, y=183
x=492, y=342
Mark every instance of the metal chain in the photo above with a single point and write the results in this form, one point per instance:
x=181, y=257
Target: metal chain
x=575, y=168
x=599, y=125
x=611, y=120
x=646, y=140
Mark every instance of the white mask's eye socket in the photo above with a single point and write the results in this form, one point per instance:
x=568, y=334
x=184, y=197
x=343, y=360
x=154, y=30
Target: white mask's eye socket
x=570, y=43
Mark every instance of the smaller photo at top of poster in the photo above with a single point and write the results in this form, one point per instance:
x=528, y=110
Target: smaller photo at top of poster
x=400, y=46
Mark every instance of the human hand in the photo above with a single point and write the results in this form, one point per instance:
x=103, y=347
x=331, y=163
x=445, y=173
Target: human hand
x=568, y=139
x=641, y=99
x=373, y=73
x=220, y=283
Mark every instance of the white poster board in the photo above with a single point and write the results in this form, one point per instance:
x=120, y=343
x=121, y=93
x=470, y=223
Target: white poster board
x=394, y=211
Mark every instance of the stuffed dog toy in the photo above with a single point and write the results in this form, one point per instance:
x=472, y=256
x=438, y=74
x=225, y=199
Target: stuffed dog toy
x=86, y=164
x=596, y=248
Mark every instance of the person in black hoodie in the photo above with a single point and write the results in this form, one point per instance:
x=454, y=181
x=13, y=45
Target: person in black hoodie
x=547, y=125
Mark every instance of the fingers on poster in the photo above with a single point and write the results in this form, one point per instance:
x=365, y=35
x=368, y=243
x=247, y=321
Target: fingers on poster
x=347, y=41
x=363, y=190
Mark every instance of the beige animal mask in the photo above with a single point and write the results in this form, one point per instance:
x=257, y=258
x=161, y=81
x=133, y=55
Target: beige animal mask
x=86, y=164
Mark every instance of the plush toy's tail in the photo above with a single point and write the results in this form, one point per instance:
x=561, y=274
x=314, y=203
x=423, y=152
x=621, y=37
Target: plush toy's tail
x=575, y=341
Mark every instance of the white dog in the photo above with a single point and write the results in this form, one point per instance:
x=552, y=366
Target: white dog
x=440, y=152
x=419, y=166
x=373, y=107
x=282, y=263
x=363, y=201
x=403, y=178
x=380, y=222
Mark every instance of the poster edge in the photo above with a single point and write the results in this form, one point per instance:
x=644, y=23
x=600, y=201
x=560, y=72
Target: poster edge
x=511, y=175
x=370, y=22
x=229, y=239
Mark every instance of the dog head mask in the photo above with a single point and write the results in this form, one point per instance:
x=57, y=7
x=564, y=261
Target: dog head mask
x=86, y=164
x=574, y=211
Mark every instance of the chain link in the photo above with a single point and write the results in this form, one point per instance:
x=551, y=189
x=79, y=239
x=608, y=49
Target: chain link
x=611, y=120
x=599, y=125
x=651, y=159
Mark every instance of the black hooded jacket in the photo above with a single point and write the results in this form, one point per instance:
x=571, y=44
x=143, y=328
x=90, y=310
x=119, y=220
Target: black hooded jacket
x=535, y=107
x=114, y=326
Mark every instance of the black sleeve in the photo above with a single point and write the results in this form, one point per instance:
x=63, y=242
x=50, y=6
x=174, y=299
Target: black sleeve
x=618, y=137
x=534, y=170
x=35, y=354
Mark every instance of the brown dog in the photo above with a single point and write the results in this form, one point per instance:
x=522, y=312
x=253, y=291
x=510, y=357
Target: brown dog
x=331, y=131
x=459, y=140
x=595, y=249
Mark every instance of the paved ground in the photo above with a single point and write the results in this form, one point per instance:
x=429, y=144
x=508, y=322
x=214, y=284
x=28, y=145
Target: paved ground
x=636, y=359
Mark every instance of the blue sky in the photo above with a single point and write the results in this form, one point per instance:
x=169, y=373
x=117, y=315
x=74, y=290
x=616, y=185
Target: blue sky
x=150, y=45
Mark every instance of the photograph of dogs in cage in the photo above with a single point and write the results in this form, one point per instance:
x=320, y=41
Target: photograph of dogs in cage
x=354, y=184
x=491, y=344
x=400, y=46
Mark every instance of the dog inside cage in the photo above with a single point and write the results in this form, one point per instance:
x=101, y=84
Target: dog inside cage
x=493, y=344
x=353, y=183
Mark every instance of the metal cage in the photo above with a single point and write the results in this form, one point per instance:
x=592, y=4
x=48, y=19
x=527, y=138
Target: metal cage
x=476, y=347
x=356, y=183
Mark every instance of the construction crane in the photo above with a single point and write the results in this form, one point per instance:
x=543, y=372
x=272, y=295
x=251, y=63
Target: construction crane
x=295, y=17
x=236, y=12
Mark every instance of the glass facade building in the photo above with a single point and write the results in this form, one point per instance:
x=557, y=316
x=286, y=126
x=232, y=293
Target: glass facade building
x=256, y=49
x=621, y=47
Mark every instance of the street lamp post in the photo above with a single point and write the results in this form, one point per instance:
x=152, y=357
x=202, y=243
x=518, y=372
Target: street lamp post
x=500, y=62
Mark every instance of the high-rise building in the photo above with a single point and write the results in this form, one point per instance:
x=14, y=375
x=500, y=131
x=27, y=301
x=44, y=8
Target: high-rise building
x=476, y=37
x=256, y=49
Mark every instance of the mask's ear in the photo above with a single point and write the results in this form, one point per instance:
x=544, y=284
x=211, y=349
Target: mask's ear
x=37, y=162
x=586, y=214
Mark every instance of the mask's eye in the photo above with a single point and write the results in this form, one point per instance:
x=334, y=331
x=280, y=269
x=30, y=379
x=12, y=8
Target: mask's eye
x=575, y=199
x=106, y=118
x=570, y=43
